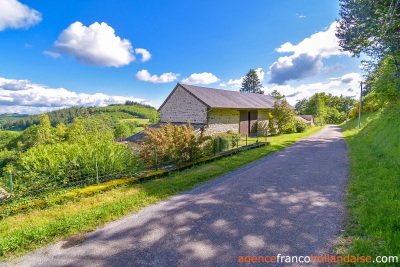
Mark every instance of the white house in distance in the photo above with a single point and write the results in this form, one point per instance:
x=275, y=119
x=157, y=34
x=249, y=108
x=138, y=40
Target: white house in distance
x=217, y=110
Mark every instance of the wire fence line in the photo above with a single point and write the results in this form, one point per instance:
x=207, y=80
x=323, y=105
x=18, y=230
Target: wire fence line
x=35, y=183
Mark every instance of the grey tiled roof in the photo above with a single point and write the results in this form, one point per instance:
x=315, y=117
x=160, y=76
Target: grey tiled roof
x=218, y=98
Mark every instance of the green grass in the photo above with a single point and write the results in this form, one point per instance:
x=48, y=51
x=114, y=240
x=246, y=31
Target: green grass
x=138, y=120
x=373, y=201
x=34, y=228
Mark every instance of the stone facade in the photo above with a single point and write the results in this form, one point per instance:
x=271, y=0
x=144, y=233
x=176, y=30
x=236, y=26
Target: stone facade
x=262, y=126
x=183, y=107
x=222, y=120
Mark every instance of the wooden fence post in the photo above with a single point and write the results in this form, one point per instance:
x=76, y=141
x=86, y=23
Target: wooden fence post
x=10, y=181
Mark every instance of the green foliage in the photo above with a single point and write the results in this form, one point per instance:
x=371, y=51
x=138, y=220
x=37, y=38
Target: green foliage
x=283, y=117
x=277, y=95
x=67, y=116
x=374, y=188
x=326, y=108
x=370, y=27
x=48, y=157
x=300, y=125
x=125, y=129
x=251, y=83
x=4, y=118
x=174, y=144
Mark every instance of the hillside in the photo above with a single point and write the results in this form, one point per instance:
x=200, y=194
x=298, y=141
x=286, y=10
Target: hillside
x=129, y=110
x=373, y=225
x=7, y=117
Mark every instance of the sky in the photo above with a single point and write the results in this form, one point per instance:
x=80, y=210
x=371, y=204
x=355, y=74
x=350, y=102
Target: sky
x=57, y=54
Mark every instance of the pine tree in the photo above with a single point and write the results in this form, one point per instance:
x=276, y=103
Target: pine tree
x=251, y=83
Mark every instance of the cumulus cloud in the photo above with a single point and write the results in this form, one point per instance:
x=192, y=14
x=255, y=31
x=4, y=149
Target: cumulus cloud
x=95, y=45
x=294, y=68
x=23, y=96
x=345, y=85
x=238, y=82
x=201, y=78
x=301, y=16
x=144, y=75
x=308, y=53
x=351, y=78
x=15, y=15
x=145, y=54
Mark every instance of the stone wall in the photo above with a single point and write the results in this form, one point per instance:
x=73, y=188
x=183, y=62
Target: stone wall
x=222, y=120
x=183, y=107
x=262, y=126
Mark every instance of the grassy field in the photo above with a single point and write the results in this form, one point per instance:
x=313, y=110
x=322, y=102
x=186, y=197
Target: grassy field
x=138, y=120
x=37, y=227
x=373, y=202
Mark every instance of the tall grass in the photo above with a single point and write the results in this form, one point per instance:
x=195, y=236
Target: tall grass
x=373, y=201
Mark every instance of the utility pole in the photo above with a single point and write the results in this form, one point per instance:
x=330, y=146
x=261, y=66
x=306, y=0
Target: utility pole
x=359, y=113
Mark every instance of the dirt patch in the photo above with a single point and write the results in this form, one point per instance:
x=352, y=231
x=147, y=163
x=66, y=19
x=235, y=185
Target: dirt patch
x=74, y=240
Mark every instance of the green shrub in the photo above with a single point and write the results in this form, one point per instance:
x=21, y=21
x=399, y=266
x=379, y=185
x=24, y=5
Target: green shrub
x=301, y=126
x=173, y=144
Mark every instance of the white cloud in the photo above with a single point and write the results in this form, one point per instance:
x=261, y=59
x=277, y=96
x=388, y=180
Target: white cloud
x=145, y=54
x=345, y=85
x=52, y=54
x=144, y=75
x=15, y=15
x=222, y=84
x=94, y=45
x=23, y=96
x=307, y=56
x=238, y=82
x=201, y=78
x=351, y=78
x=301, y=16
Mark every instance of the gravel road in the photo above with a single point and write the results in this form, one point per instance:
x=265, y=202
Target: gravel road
x=289, y=203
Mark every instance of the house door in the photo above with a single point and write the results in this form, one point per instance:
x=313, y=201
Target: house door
x=248, y=122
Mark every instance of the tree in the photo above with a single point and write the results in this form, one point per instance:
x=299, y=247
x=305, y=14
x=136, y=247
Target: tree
x=283, y=117
x=370, y=27
x=251, y=83
x=277, y=95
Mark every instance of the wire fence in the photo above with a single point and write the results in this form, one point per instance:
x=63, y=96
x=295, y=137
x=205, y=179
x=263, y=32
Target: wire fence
x=36, y=183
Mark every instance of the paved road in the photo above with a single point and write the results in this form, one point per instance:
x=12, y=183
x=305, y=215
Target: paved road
x=289, y=203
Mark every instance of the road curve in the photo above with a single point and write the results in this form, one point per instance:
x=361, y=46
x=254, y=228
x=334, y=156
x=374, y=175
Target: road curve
x=289, y=203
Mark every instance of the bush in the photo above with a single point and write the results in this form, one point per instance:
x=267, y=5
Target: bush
x=173, y=143
x=300, y=125
x=283, y=117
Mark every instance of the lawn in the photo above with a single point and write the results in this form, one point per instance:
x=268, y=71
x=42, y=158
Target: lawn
x=137, y=120
x=34, y=228
x=373, y=201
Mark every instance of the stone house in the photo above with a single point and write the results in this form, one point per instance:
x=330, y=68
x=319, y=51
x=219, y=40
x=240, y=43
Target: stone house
x=217, y=110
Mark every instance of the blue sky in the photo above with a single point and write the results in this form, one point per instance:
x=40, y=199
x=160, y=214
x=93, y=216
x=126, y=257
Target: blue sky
x=68, y=53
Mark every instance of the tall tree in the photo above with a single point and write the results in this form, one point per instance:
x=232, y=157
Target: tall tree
x=371, y=27
x=277, y=95
x=251, y=83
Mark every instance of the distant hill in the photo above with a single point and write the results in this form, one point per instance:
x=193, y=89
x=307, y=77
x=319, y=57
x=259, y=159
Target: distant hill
x=11, y=117
x=129, y=110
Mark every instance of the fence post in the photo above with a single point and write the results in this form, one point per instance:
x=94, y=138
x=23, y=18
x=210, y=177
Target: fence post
x=10, y=182
x=214, y=146
x=246, y=139
x=155, y=159
x=219, y=144
x=97, y=171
